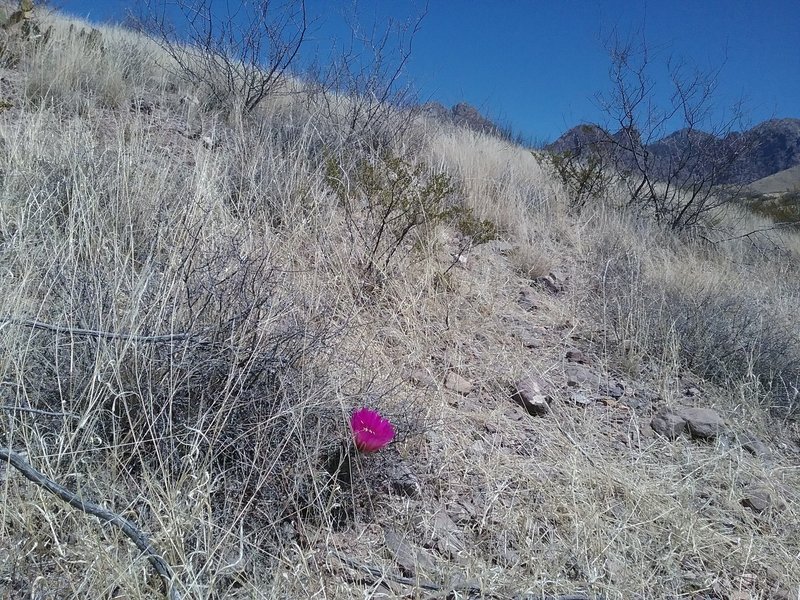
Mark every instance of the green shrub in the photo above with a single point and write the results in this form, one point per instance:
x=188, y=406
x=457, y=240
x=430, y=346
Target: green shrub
x=386, y=201
x=584, y=177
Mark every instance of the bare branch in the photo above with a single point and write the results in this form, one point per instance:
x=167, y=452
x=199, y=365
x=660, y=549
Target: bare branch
x=238, y=54
x=110, y=335
x=104, y=515
x=676, y=178
x=37, y=411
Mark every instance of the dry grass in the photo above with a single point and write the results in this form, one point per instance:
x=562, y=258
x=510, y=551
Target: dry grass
x=222, y=442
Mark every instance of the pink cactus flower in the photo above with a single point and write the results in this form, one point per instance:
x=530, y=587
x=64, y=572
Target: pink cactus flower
x=371, y=431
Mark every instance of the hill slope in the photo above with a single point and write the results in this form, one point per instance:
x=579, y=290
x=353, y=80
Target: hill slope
x=777, y=183
x=195, y=301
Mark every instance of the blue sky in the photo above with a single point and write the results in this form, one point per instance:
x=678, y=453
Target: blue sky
x=536, y=65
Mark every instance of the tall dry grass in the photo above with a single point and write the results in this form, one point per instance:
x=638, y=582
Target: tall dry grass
x=221, y=435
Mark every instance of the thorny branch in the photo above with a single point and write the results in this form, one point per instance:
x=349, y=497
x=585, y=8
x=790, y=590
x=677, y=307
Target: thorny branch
x=109, y=335
x=135, y=534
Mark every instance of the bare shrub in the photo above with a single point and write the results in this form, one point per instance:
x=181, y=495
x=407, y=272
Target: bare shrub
x=585, y=174
x=677, y=179
x=386, y=201
x=362, y=91
x=237, y=56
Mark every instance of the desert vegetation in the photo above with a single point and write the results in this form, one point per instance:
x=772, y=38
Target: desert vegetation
x=199, y=291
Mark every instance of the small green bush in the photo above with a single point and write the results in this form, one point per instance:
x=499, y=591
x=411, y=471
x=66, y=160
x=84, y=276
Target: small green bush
x=584, y=177
x=385, y=202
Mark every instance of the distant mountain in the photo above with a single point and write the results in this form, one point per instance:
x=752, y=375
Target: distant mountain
x=777, y=147
x=578, y=140
x=773, y=146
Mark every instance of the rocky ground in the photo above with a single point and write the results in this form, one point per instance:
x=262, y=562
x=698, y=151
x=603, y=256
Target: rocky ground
x=579, y=400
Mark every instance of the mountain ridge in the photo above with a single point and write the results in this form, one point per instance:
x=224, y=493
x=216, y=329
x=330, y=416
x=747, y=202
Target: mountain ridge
x=774, y=146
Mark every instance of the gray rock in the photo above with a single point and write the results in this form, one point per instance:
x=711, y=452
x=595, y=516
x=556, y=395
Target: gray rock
x=579, y=375
x=530, y=394
x=756, y=447
x=757, y=499
x=640, y=399
x=531, y=343
x=579, y=398
x=549, y=283
x=703, y=423
x=456, y=383
x=529, y=337
x=668, y=423
x=502, y=247
x=447, y=535
x=575, y=355
x=402, y=481
x=527, y=299
x=423, y=379
x=407, y=556
x=615, y=391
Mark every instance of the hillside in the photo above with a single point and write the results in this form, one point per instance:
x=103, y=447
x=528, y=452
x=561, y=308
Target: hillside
x=195, y=301
x=782, y=181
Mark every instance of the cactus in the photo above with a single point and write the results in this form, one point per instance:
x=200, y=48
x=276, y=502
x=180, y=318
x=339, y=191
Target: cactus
x=23, y=17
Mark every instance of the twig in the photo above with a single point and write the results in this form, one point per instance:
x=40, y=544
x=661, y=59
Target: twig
x=416, y=583
x=577, y=446
x=111, y=335
x=106, y=516
x=37, y=411
x=762, y=230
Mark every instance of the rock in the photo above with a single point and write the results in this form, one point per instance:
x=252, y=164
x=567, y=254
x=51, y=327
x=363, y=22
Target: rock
x=703, y=423
x=527, y=299
x=402, y=481
x=640, y=399
x=578, y=375
x=464, y=512
x=502, y=247
x=615, y=391
x=529, y=337
x=757, y=499
x=529, y=394
x=668, y=423
x=576, y=356
x=579, y=398
x=756, y=447
x=549, y=283
x=446, y=533
x=531, y=343
x=407, y=556
x=422, y=378
x=456, y=383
